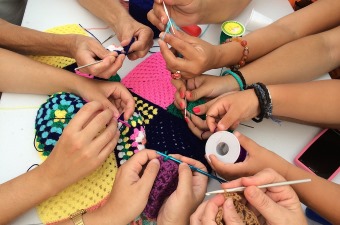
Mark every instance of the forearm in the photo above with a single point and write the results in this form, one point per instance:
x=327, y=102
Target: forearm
x=110, y=11
x=22, y=75
x=213, y=11
x=301, y=60
x=320, y=195
x=27, y=41
x=316, y=102
x=318, y=17
x=23, y=193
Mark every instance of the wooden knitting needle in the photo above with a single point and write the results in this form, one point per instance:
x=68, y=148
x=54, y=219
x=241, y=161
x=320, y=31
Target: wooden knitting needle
x=237, y=189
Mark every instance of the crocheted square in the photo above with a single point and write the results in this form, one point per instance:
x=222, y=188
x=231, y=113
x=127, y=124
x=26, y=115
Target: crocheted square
x=151, y=80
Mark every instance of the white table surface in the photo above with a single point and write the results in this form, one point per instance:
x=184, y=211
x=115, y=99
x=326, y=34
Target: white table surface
x=17, y=125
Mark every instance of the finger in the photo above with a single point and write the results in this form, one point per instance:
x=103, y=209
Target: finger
x=223, y=169
x=266, y=206
x=98, y=124
x=195, y=130
x=199, y=123
x=184, y=180
x=195, y=218
x=109, y=147
x=141, y=158
x=211, y=209
x=105, y=136
x=84, y=115
x=149, y=175
x=152, y=17
x=230, y=215
x=248, y=144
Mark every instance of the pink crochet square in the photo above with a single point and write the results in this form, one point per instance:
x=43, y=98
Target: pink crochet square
x=151, y=80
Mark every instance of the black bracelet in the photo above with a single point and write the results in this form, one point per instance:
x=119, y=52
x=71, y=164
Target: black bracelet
x=264, y=99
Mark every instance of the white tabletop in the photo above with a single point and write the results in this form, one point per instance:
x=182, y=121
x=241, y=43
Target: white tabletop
x=17, y=125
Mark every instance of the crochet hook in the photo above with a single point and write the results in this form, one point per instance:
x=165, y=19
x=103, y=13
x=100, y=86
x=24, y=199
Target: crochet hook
x=192, y=167
x=167, y=14
x=237, y=189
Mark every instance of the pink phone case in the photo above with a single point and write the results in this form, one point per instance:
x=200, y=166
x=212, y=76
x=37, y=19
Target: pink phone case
x=301, y=165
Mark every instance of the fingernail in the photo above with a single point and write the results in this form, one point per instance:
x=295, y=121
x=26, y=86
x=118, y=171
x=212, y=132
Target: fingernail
x=186, y=120
x=190, y=94
x=182, y=94
x=196, y=109
x=237, y=134
x=162, y=19
x=229, y=203
x=181, y=105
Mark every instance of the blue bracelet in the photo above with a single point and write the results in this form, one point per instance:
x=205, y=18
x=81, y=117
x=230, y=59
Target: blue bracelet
x=237, y=78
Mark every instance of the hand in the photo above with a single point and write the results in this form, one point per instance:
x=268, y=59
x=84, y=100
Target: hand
x=127, y=28
x=188, y=195
x=85, y=50
x=258, y=158
x=112, y=95
x=276, y=205
x=131, y=190
x=203, y=86
x=83, y=146
x=198, y=55
x=229, y=110
x=184, y=12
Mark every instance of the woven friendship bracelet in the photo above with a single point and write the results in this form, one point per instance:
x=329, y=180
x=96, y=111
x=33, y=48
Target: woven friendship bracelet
x=240, y=79
x=245, y=54
x=265, y=101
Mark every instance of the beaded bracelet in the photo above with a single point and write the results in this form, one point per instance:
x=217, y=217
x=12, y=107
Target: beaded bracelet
x=240, y=80
x=265, y=101
x=244, y=44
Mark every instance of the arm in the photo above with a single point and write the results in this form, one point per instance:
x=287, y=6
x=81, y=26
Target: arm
x=82, y=48
x=117, y=17
x=37, y=78
x=259, y=158
x=200, y=56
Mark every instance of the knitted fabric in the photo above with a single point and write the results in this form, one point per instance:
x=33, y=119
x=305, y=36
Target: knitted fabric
x=165, y=183
x=60, y=61
x=151, y=80
x=248, y=216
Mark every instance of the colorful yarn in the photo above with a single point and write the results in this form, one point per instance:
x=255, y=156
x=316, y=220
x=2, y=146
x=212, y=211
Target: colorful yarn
x=165, y=184
x=151, y=80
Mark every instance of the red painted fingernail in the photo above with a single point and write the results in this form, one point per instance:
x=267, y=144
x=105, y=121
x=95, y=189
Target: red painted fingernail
x=182, y=94
x=196, y=109
x=186, y=120
x=181, y=105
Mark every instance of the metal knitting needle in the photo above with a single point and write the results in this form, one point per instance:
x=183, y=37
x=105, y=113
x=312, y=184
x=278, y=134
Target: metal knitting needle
x=167, y=14
x=192, y=167
x=90, y=64
x=237, y=189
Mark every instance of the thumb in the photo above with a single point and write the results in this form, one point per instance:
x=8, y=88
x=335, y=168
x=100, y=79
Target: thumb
x=230, y=216
x=248, y=144
x=184, y=179
x=149, y=175
x=265, y=205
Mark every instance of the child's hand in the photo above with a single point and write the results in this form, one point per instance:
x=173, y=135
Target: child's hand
x=83, y=146
x=198, y=56
x=258, y=158
x=188, y=195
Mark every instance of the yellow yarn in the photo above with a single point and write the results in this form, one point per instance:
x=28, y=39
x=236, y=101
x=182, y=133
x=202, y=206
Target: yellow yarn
x=60, y=61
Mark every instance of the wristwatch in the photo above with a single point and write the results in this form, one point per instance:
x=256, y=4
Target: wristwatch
x=77, y=217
